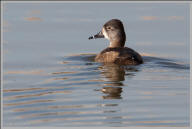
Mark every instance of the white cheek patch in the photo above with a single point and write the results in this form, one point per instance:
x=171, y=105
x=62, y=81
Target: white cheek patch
x=105, y=34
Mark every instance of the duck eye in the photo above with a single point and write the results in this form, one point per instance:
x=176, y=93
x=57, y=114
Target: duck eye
x=108, y=28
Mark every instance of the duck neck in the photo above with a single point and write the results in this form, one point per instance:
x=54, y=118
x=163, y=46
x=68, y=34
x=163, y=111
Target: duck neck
x=116, y=44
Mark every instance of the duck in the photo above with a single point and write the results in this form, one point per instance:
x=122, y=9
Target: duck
x=116, y=52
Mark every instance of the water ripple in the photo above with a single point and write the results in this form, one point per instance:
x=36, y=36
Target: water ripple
x=81, y=92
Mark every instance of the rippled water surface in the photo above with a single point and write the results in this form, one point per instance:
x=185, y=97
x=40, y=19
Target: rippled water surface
x=50, y=77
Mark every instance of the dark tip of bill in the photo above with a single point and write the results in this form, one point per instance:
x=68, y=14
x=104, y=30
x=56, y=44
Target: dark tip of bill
x=91, y=37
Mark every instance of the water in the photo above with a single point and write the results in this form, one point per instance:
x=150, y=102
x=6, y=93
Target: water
x=50, y=77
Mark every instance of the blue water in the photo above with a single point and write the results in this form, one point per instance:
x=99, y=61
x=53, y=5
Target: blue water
x=50, y=77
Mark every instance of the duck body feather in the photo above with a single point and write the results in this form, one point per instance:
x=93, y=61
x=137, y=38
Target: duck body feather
x=119, y=55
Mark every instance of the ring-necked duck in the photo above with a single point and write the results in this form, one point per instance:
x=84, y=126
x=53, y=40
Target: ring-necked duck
x=113, y=30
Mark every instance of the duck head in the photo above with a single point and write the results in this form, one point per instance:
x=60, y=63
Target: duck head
x=112, y=30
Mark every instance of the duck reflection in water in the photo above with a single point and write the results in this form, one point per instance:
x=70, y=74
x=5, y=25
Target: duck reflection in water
x=115, y=75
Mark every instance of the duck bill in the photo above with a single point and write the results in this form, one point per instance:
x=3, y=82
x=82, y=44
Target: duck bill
x=98, y=35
